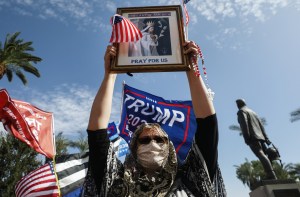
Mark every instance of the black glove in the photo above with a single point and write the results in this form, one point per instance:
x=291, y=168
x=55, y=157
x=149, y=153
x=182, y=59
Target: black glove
x=268, y=142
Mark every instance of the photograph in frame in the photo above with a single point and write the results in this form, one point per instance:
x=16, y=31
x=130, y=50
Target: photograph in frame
x=160, y=48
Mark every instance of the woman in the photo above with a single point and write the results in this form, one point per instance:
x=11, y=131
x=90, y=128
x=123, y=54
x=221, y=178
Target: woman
x=149, y=41
x=151, y=168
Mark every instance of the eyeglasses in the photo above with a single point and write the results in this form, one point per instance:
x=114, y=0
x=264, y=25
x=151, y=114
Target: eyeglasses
x=157, y=139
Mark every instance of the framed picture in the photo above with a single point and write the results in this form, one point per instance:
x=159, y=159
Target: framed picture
x=160, y=48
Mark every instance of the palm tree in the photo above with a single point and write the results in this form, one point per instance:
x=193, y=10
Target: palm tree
x=250, y=173
x=15, y=57
x=295, y=115
x=81, y=143
x=61, y=144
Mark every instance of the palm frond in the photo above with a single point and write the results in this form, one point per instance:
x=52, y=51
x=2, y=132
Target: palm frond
x=9, y=75
x=13, y=37
x=235, y=127
x=29, y=68
x=26, y=46
x=295, y=115
x=21, y=76
x=15, y=57
x=263, y=121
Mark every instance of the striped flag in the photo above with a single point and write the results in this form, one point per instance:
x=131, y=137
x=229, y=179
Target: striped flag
x=123, y=30
x=40, y=182
x=187, y=18
x=71, y=171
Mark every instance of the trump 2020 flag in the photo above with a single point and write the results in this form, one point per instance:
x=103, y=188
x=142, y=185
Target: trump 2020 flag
x=28, y=123
x=40, y=182
x=124, y=30
x=175, y=117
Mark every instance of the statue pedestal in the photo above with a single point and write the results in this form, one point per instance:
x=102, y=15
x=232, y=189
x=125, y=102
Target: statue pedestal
x=276, y=188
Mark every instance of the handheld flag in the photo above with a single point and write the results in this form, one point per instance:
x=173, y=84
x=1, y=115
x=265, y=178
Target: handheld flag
x=40, y=182
x=41, y=125
x=175, y=117
x=27, y=123
x=187, y=17
x=124, y=30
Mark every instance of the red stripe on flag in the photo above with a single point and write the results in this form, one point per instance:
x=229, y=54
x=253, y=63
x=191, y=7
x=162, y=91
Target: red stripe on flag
x=40, y=182
x=117, y=33
x=131, y=33
x=124, y=31
x=121, y=28
x=31, y=179
x=187, y=18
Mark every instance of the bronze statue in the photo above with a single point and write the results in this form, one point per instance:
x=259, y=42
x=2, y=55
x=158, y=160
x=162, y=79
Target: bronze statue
x=255, y=135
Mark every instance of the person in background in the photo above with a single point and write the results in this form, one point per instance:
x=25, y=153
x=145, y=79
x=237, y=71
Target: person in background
x=151, y=169
x=254, y=135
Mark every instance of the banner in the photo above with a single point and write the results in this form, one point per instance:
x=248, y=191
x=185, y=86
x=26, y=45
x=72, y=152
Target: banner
x=28, y=123
x=40, y=182
x=112, y=131
x=41, y=125
x=71, y=171
x=175, y=117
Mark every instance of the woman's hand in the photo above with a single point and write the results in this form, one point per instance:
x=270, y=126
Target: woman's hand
x=191, y=48
x=109, y=55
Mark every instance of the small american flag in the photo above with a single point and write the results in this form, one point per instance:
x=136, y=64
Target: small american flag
x=187, y=18
x=124, y=30
x=40, y=182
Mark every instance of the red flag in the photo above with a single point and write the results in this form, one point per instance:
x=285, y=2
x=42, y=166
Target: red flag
x=124, y=30
x=40, y=182
x=41, y=125
x=28, y=123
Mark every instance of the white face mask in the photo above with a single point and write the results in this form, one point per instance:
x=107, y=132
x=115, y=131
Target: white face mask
x=153, y=155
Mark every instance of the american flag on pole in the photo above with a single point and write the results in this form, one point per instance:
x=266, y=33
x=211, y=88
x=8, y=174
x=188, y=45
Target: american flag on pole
x=124, y=30
x=187, y=18
x=40, y=182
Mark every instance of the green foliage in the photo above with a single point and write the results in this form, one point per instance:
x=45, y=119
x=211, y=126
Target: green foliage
x=61, y=144
x=81, y=143
x=250, y=173
x=14, y=58
x=16, y=160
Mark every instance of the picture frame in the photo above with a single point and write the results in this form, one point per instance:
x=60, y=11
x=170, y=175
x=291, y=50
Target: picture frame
x=161, y=47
